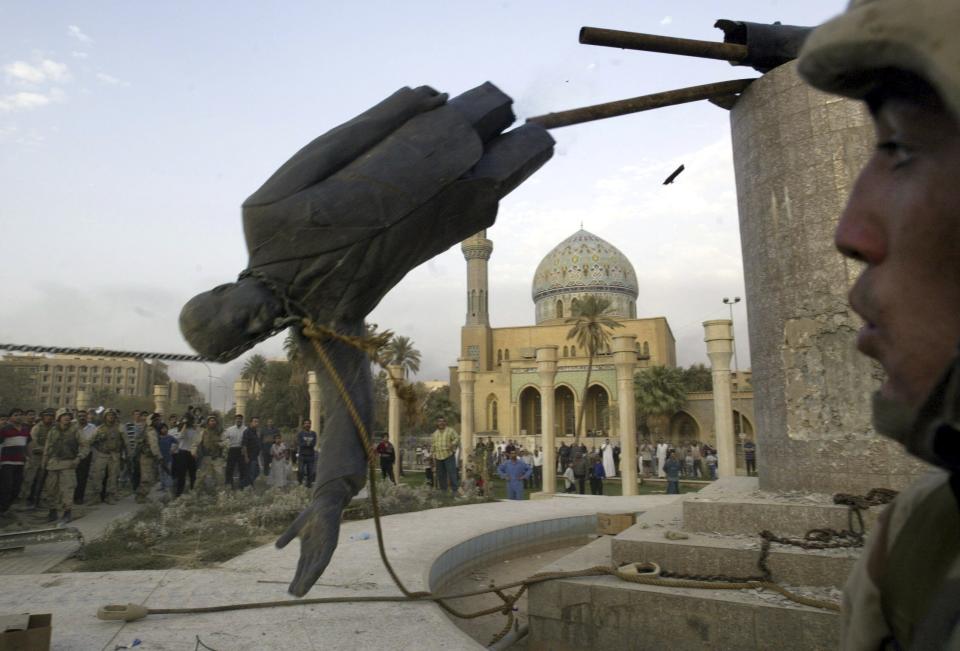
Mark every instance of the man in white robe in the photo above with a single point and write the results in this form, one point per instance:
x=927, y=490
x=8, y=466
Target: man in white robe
x=662, y=449
x=609, y=468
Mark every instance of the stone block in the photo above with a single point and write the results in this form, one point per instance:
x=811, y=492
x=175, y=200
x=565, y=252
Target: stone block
x=630, y=616
x=752, y=516
x=709, y=555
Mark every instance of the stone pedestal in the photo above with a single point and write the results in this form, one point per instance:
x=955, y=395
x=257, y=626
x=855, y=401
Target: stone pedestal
x=316, y=406
x=161, y=398
x=719, y=337
x=241, y=393
x=467, y=374
x=547, y=368
x=625, y=361
x=394, y=376
x=796, y=153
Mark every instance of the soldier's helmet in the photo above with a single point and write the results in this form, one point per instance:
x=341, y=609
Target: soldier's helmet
x=851, y=54
x=63, y=411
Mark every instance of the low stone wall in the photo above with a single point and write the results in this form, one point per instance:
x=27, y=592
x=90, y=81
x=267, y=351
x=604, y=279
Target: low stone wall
x=507, y=542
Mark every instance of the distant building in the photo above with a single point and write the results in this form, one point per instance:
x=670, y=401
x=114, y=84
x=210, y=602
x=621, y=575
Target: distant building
x=55, y=379
x=508, y=397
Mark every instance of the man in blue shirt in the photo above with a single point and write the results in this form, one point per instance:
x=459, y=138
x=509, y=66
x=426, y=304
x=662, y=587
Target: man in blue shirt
x=514, y=471
x=306, y=454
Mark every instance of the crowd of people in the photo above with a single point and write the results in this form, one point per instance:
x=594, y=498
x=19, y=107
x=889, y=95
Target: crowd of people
x=578, y=465
x=58, y=459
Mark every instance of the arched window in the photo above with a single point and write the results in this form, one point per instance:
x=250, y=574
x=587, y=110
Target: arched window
x=573, y=351
x=559, y=309
x=473, y=302
x=566, y=351
x=646, y=348
x=481, y=306
x=633, y=310
x=499, y=355
x=506, y=354
x=492, y=422
x=575, y=307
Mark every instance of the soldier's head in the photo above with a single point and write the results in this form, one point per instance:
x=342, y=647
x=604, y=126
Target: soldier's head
x=902, y=220
x=64, y=418
x=212, y=422
x=46, y=416
x=109, y=417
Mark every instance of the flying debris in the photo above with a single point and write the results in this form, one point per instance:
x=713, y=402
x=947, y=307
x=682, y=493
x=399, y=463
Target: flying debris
x=675, y=174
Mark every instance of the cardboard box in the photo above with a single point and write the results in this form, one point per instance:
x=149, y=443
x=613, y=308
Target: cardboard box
x=614, y=523
x=25, y=632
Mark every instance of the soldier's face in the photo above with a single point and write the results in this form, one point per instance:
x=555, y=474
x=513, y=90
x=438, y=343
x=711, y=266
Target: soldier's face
x=47, y=420
x=903, y=222
x=110, y=418
x=64, y=421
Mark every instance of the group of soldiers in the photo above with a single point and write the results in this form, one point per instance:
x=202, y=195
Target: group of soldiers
x=57, y=445
x=92, y=448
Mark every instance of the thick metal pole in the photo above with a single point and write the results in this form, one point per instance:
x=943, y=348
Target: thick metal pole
x=642, y=103
x=665, y=44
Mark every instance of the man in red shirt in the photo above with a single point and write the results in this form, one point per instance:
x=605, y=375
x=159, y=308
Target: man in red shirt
x=14, y=436
x=387, y=456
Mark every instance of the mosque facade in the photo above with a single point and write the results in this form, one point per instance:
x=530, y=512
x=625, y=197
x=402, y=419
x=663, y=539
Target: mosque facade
x=506, y=378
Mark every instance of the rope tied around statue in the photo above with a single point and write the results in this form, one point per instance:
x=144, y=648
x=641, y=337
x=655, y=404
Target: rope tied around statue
x=641, y=573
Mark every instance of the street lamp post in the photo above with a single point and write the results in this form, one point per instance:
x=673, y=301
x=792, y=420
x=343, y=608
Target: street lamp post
x=736, y=365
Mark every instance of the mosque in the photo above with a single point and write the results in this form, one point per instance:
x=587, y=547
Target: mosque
x=511, y=375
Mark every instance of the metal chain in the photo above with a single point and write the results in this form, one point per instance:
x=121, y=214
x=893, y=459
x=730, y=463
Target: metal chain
x=100, y=352
x=820, y=538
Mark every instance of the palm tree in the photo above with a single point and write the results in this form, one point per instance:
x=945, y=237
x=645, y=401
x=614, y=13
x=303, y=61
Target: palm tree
x=400, y=351
x=254, y=370
x=660, y=392
x=591, y=330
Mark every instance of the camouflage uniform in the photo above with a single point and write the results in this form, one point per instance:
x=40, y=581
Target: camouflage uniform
x=63, y=453
x=150, y=457
x=210, y=456
x=109, y=447
x=904, y=591
x=38, y=437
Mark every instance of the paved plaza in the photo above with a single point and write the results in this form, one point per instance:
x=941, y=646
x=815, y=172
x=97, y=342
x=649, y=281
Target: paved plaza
x=416, y=543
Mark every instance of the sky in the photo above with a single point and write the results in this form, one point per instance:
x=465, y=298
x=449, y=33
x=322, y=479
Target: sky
x=130, y=133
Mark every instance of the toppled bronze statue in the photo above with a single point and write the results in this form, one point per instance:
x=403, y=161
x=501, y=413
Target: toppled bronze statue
x=334, y=229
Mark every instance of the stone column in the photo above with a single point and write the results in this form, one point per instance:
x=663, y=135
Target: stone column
x=796, y=154
x=313, y=388
x=241, y=392
x=394, y=377
x=719, y=337
x=547, y=367
x=625, y=361
x=83, y=399
x=161, y=398
x=466, y=372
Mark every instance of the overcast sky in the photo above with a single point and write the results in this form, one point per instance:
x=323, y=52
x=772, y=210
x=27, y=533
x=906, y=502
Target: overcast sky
x=131, y=132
